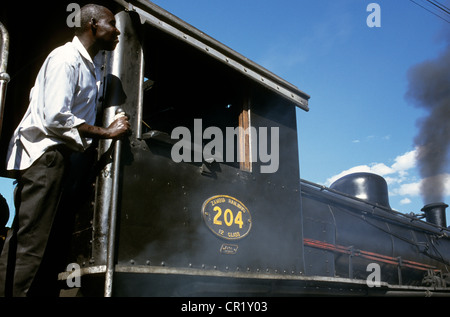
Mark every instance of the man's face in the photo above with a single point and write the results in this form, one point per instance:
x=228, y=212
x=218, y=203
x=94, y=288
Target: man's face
x=106, y=32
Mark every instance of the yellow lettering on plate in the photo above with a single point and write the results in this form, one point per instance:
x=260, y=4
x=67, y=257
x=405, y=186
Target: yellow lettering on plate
x=227, y=217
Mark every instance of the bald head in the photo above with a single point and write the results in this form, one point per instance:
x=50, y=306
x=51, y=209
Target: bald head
x=97, y=29
x=89, y=13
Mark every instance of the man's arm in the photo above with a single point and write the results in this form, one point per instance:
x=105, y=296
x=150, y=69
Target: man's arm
x=116, y=129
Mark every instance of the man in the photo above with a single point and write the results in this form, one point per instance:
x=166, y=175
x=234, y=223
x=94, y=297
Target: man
x=59, y=120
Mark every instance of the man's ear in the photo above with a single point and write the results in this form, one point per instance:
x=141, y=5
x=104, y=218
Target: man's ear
x=93, y=24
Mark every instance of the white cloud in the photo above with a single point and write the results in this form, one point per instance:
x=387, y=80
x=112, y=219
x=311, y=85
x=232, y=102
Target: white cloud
x=382, y=169
x=413, y=189
x=405, y=201
x=405, y=162
x=356, y=169
x=401, y=177
x=398, y=170
x=447, y=185
x=410, y=189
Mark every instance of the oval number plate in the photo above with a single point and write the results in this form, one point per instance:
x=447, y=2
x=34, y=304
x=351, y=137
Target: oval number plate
x=227, y=217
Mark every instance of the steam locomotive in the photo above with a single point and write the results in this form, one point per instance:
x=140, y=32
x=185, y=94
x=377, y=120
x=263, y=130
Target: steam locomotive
x=215, y=222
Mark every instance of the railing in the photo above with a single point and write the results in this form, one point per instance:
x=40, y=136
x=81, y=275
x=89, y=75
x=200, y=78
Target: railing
x=4, y=77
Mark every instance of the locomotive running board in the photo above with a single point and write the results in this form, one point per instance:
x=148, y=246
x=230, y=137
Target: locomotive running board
x=209, y=282
x=270, y=284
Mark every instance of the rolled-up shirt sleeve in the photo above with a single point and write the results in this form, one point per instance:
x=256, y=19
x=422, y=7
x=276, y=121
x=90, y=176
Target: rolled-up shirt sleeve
x=60, y=90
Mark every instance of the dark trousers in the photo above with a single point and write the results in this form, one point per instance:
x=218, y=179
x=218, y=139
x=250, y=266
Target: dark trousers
x=37, y=197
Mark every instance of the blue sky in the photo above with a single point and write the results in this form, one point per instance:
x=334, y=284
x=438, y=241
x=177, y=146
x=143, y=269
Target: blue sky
x=359, y=118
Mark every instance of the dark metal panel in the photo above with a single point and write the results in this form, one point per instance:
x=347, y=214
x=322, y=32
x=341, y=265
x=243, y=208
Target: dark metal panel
x=161, y=220
x=318, y=224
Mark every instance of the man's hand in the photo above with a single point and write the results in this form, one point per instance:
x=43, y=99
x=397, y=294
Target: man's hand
x=116, y=129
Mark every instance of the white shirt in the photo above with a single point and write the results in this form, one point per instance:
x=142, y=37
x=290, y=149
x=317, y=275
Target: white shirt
x=64, y=96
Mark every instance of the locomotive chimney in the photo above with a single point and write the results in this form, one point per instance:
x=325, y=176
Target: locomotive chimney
x=435, y=213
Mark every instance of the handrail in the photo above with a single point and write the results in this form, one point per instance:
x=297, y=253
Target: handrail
x=4, y=77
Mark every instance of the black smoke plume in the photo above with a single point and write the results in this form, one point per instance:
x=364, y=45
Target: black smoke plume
x=429, y=89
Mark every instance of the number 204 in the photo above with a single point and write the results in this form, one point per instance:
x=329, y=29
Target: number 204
x=228, y=217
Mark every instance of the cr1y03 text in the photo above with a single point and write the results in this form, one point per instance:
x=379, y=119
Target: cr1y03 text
x=246, y=306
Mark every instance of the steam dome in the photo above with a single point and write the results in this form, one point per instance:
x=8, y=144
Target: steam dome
x=366, y=186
